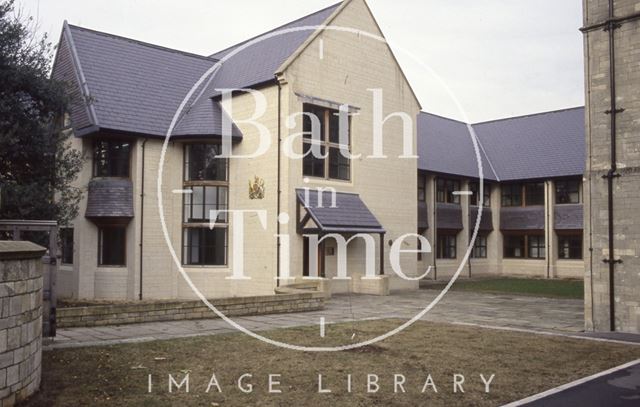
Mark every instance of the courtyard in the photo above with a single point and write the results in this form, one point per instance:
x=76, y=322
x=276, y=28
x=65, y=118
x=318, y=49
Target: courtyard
x=506, y=311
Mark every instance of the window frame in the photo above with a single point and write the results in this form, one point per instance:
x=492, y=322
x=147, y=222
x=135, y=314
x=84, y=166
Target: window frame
x=474, y=188
x=576, y=236
x=190, y=224
x=567, y=182
x=65, y=250
x=525, y=245
x=445, y=188
x=101, y=250
x=446, y=243
x=539, y=195
x=95, y=167
x=327, y=146
x=481, y=243
x=422, y=188
x=508, y=194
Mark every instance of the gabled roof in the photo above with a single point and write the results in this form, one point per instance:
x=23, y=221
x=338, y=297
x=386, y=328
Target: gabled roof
x=445, y=146
x=537, y=146
x=543, y=145
x=349, y=214
x=137, y=87
x=133, y=86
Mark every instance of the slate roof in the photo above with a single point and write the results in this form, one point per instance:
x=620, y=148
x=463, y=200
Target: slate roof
x=569, y=217
x=449, y=216
x=349, y=215
x=137, y=87
x=522, y=218
x=445, y=146
x=544, y=145
x=109, y=198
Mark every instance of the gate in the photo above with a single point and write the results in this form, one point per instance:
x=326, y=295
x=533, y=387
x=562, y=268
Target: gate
x=50, y=269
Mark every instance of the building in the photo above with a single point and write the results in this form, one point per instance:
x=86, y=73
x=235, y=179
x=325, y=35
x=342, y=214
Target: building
x=612, y=51
x=127, y=93
x=532, y=210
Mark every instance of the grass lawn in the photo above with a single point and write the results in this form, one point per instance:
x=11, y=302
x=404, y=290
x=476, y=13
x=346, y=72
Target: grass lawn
x=544, y=288
x=523, y=364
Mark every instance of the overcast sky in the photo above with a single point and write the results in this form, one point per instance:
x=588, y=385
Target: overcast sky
x=500, y=58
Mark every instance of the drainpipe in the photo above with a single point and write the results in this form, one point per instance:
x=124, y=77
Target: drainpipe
x=612, y=174
x=435, y=229
x=278, y=244
x=142, y=215
x=547, y=240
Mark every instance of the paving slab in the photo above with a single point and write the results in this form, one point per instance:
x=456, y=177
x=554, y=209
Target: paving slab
x=506, y=311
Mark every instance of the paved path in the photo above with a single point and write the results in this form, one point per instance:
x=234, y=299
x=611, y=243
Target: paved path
x=618, y=387
x=503, y=311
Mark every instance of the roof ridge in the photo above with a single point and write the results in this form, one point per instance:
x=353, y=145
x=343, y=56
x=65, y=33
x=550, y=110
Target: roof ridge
x=143, y=43
x=443, y=117
x=529, y=115
x=484, y=152
x=277, y=28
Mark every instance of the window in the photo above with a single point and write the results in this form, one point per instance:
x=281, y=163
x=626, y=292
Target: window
x=206, y=177
x=112, y=246
x=66, y=245
x=570, y=247
x=445, y=189
x=323, y=147
x=202, y=163
x=204, y=246
x=534, y=194
x=446, y=248
x=422, y=193
x=202, y=200
x=520, y=246
x=514, y=246
x=480, y=247
x=111, y=158
x=511, y=195
x=537, y=248
x=474, y=187
x=530, y=194
x=568, y=191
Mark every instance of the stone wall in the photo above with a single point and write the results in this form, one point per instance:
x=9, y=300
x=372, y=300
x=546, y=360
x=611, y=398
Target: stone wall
x=118, y=314
x=626, y=282
x=20, y=320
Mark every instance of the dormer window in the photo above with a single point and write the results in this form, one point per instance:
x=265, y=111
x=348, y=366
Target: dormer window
x=111, y=159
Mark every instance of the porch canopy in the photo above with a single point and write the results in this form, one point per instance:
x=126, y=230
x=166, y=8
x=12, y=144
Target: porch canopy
x=322, y=212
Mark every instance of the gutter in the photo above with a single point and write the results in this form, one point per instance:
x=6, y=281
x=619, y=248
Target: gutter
x=142, y=215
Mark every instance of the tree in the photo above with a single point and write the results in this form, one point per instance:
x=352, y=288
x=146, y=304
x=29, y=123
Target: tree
x=37, y=162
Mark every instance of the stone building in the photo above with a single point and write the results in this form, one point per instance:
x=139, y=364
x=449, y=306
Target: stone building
x=612, y=51
x=128, y=92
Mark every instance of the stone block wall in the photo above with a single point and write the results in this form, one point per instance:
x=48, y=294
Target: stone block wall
x=20, y=320
x=626, y=196
x=118, y=314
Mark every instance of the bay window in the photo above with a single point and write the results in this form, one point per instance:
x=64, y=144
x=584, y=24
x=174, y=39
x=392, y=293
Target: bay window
x=207, y=191
x=111, y=158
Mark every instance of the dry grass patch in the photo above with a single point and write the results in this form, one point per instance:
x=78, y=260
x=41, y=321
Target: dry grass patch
x=523, y=364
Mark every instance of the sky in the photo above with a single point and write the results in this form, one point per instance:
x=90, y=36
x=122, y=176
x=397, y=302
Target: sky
x=471, y=60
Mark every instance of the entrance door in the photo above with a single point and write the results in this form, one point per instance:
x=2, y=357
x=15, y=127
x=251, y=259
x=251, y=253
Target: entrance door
x=306, y=258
